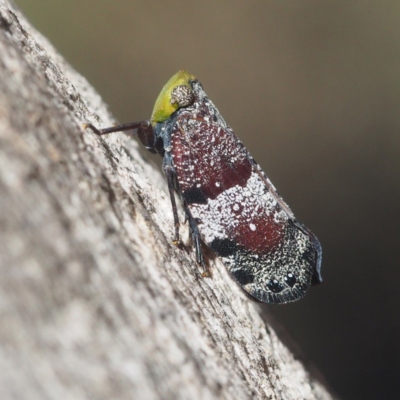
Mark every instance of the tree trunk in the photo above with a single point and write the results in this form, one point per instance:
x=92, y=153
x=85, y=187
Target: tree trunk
x=95, y=300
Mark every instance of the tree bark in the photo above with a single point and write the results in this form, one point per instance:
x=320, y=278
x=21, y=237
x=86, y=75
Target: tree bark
x=95, y=300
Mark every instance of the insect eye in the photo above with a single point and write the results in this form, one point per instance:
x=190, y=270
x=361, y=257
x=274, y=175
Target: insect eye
x=182, y=95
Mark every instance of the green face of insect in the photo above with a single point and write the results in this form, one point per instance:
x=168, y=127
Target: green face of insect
x=175, y=94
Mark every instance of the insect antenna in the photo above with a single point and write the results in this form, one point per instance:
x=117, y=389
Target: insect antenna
x=143, y=129
x=118, y=128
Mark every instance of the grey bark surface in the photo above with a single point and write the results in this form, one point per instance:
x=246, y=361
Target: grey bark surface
x=95, y=300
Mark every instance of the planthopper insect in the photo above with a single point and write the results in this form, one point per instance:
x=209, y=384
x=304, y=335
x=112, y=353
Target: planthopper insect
x=229, y=202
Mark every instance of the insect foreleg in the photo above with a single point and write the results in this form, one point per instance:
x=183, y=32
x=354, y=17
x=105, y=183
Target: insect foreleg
x=169, y=173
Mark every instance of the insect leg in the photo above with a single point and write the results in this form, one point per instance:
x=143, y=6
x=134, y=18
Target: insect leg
x=170, y=176
x=195, y=235
x=194, y=232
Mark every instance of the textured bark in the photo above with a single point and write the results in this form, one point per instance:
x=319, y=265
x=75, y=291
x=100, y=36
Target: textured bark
x=95, y=300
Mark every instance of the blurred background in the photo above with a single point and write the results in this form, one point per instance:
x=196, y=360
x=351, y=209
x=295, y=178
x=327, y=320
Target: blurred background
x=312, y=87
